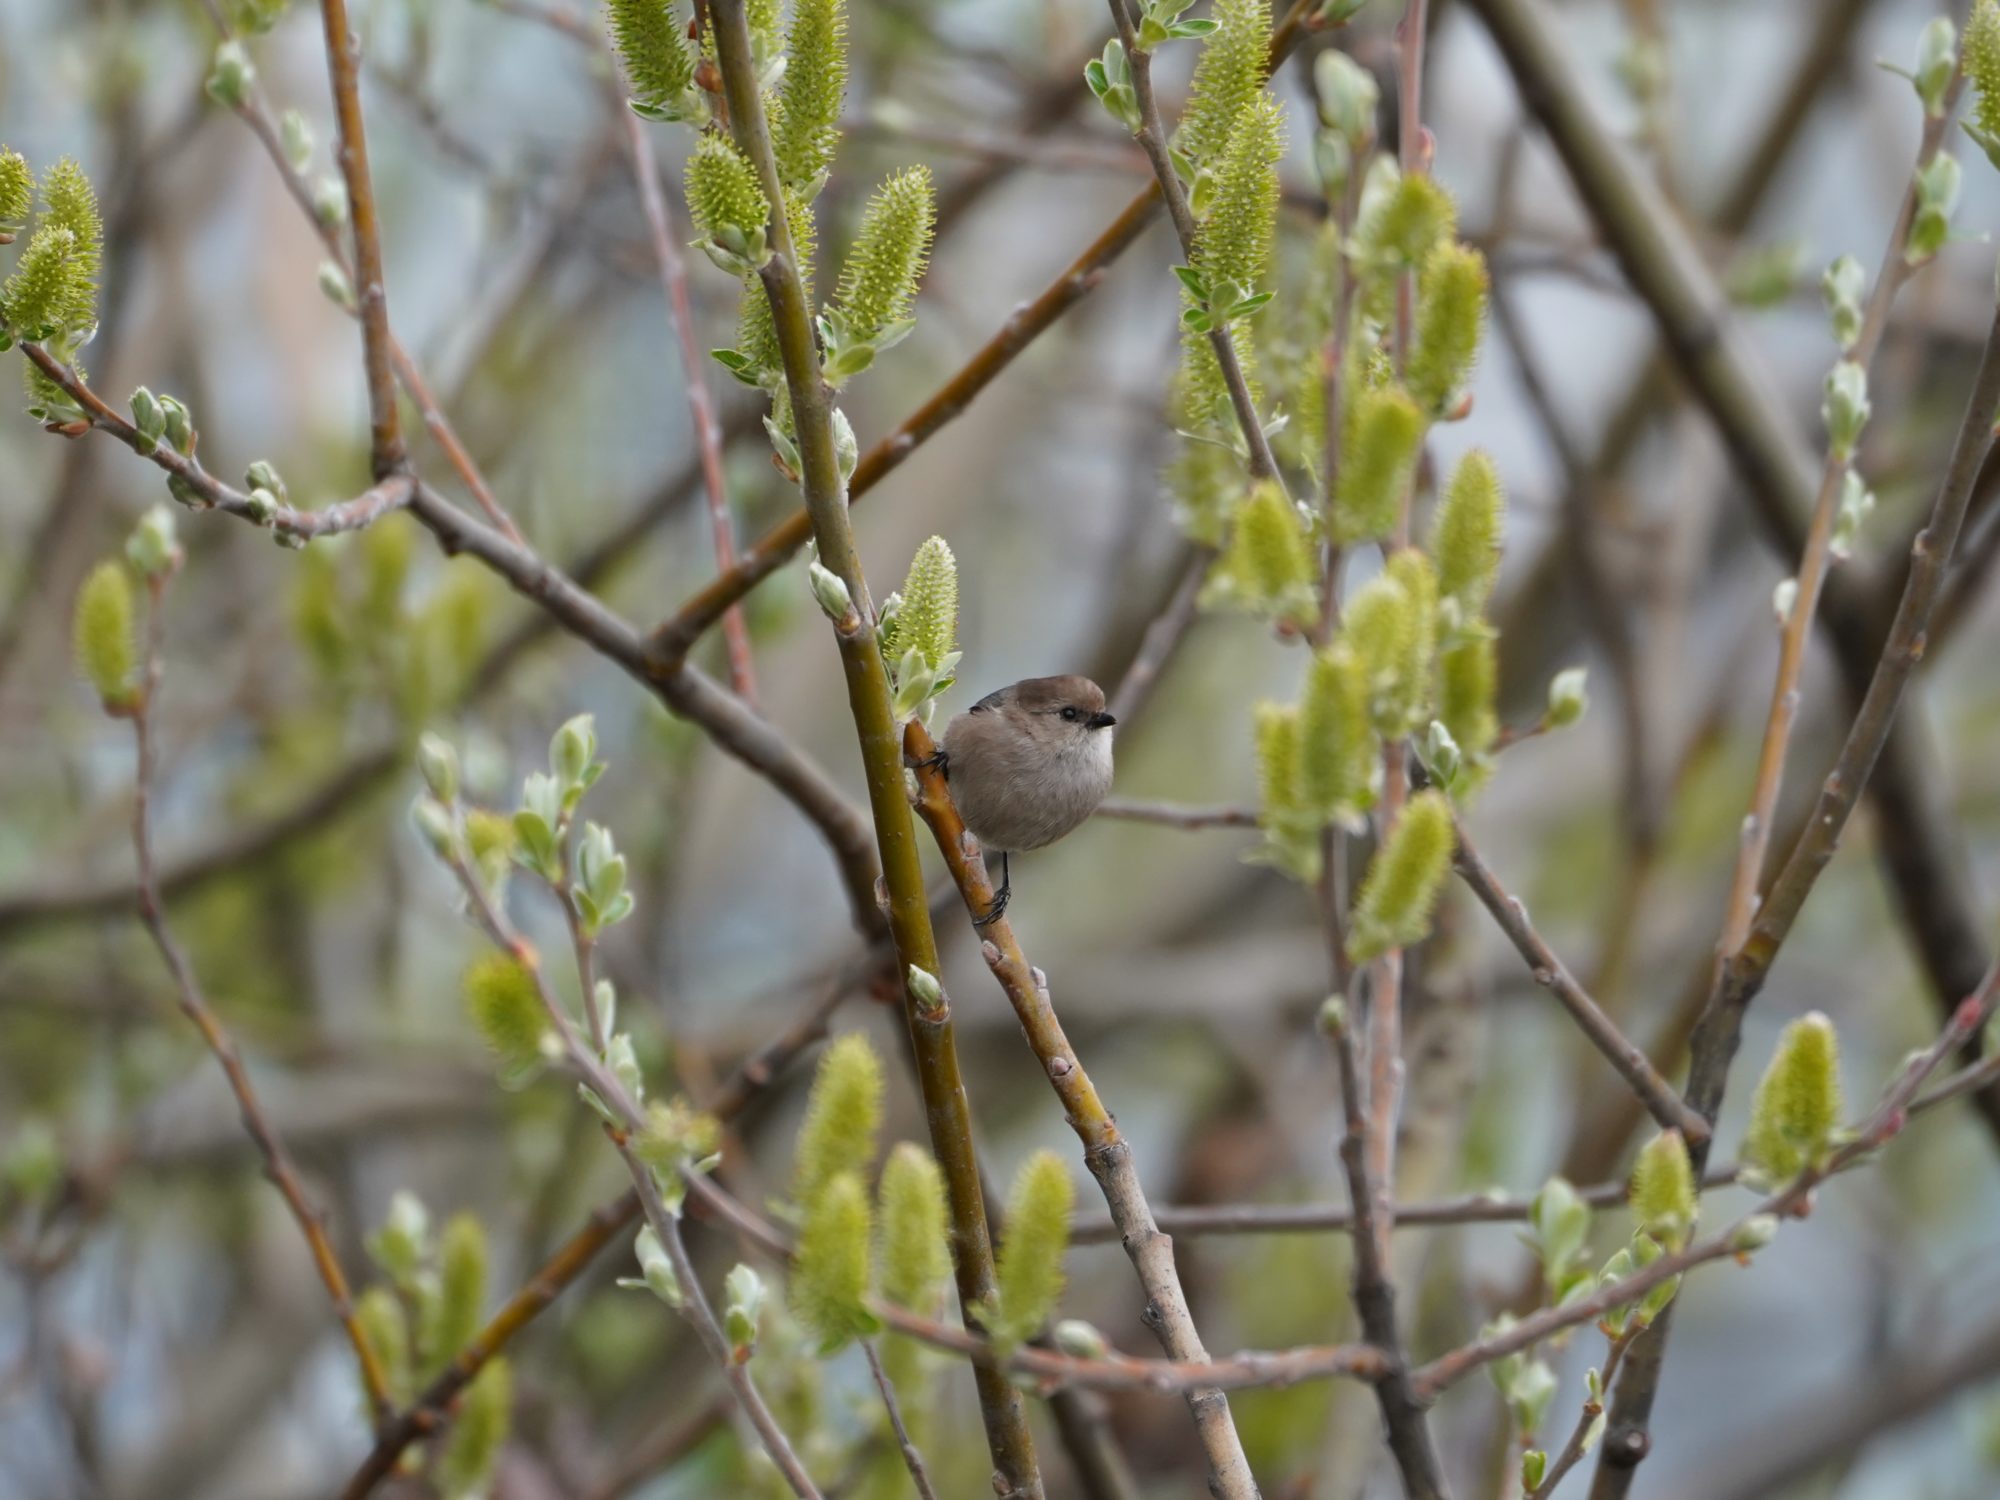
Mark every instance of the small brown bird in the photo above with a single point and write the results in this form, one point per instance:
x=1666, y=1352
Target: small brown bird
x=1027, y=764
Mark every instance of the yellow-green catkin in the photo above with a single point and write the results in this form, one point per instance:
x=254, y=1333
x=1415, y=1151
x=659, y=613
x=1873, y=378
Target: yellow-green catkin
x=1029, y=1272
x=1279, y=770
x=829, y=1285
x=1467, y=697
x=1797, y=1104
x=1337, y=747
x=17, y=193
x=653, y=43
x=34, y=295
x=1451, y=306
x=69, y=203
x=763, y=19
x=1268, y=567
x=879, y=281
x=1227, y=76
x=1205, y=479
x=484, y=1415
x=1383, y=432
x=843, y=1114
x=1402, y=225
x=388, y=1334
x=915, y=1255
x=1391, y=625
x=1981, y=54
x=928, y=619
x=453, y=1313
x=1465, y=535
x=1233, y=242
x=506, y=1007
x=805, y=115
x=722, y=189
x=1662, y=1192
x=106, y=649
x=1393, y=909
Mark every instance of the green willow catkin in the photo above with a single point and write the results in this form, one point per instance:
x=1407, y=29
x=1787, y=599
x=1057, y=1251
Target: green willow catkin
x=805, y=115
x=1268, y=567
x=722, y=188
x=506, y=1007
x=1465, y=535
x=1393, y=909
x=653, y=43
x=1451, y=306
x=829, y=1285
x=1029, y=1271
x=928, y=619
x=843, y=1114
x=106, y=648
x=914, y=1254
x=1337, y=749
x=1383, y=433
x=1797, y=1103
x=1662, y=1192
x=1227, y=76
x=879, y=280
x=17, y=192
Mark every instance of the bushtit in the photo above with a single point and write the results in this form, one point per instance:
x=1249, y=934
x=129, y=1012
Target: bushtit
x=1027, y=764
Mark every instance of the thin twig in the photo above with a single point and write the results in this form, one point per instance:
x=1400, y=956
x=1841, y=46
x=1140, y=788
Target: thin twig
x=912, y=1459
x=1593, y=1409
x=1174, y=815
x=701, y=401
x=1549, y=971
x=194, y=1005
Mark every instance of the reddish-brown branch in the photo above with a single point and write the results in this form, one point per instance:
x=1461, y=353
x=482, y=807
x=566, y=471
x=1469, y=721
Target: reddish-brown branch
x=386, y=449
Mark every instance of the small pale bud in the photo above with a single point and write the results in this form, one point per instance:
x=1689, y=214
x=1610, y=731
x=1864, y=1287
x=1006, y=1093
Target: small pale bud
x=1753, y=1234
x=1783, y=597
x=1843, y=286
x=1079, y=1340
x=624, y=1065
x=830, y=591
x=1845, y=408
x=333, y=283
x=438, y=762
x=1348, y=97
x=152, y=549
x=263, y=506
x=1937, y=61
x=1441, y=754
x=330, y=202
x=232, y=76
x=1534, y=1465
x=925, y=989
x=1333, y=1015
x=434, y=822
x=846, y=450
x=656, y=1270
x=148, y=417
x=177, y=425
x=1937, y=197
x=573, y=749
x=743, y=1307
x=1569, y=697
x=263, y=475
x=298, y=138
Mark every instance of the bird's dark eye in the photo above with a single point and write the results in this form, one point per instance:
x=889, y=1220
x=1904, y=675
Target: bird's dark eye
x=1069, y=714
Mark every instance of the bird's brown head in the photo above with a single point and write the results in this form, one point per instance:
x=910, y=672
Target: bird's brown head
x=1052, y=711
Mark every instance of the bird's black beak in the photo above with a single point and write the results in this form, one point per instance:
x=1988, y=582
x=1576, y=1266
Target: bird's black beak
x=1101, y=721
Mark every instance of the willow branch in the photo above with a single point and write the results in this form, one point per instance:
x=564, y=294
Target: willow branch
x=1105, y=1150
x=1375, y=1293
x=343, y=49
x=948, y=1113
